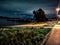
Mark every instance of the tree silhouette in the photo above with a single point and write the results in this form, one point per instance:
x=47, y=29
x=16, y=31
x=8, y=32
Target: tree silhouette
x=39, y=15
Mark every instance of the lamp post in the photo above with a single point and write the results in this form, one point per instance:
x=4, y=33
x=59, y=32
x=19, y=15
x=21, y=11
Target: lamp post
x=57, y=9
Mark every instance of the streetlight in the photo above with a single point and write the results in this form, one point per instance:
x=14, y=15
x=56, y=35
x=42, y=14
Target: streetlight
x=57, y=9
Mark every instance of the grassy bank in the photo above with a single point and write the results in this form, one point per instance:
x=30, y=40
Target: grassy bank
x=23, y=36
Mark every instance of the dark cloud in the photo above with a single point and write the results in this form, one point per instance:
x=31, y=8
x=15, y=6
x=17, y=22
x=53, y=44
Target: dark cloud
x=10, y=7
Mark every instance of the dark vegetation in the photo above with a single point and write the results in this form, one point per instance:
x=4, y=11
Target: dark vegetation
x=23, y=36
x=39, y=15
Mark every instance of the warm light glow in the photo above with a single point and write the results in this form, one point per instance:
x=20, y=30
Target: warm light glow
x=57, y=9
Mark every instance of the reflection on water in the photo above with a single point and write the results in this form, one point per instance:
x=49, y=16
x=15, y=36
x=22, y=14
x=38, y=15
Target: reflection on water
x=4, y=22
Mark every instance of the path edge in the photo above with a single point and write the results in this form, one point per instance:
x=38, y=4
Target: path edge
x=46, y=38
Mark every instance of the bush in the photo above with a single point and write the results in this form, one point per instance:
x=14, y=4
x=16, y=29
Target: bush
x=23, y=36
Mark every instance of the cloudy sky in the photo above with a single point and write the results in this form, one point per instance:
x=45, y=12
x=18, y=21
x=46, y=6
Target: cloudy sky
x=18, y=7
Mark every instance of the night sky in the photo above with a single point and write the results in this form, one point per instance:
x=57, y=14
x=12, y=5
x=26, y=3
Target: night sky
x=18, y=8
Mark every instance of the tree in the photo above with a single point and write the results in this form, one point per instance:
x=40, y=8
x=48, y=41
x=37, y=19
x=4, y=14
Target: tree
x=39, y=15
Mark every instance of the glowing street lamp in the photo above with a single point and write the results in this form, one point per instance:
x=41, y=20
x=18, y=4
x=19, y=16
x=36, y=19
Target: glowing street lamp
x=57, y=9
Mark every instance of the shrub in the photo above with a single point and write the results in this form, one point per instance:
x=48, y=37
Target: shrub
x=23, y=36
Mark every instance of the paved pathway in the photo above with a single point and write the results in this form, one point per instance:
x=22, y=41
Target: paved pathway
x=41, y=24
x=29, y=25
x=54, y=38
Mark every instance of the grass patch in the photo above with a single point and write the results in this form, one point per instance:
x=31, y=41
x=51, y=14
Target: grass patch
x=50, y=24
